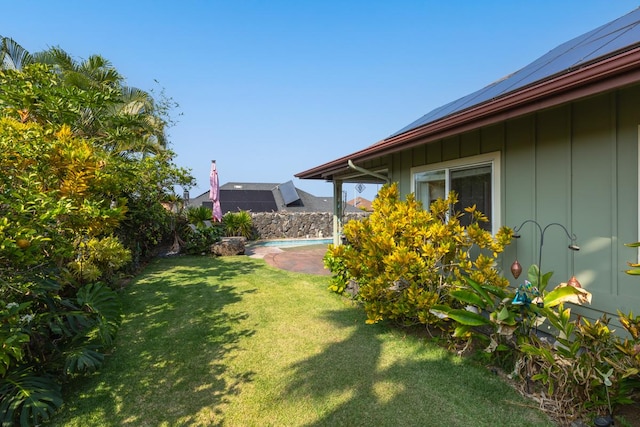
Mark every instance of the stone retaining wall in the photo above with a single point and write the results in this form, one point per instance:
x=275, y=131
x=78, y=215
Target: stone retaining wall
x=293, y=225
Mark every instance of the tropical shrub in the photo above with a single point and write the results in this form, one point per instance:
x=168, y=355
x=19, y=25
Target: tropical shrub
x=47, y=334
x=28, y=398
x=201, y=233
x=50, y=322
x=143, y=185
x=415, y=266
x=238, y=224
x=588, y=368
x=79, y=154
x=197, y=215
x=584, y=367
x=146, y=225
x=99, y=259
x=420, y=266
x=13, y=320
x=199, y=240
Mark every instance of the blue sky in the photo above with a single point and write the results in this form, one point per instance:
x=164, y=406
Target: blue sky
x=271, y=88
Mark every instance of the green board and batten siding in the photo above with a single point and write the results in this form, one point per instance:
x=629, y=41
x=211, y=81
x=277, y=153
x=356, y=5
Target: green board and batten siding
x=576, y=164
x=563, y=159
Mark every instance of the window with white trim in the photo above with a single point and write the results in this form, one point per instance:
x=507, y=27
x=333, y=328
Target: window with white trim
x=476, y=181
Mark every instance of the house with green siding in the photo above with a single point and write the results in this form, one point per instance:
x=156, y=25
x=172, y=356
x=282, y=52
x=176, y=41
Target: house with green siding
x=551, y=150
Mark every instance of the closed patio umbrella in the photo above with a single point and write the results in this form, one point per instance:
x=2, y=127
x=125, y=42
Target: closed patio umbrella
x=214, y=192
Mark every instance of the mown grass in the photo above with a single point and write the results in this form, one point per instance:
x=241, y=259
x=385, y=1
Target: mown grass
x=233, y=342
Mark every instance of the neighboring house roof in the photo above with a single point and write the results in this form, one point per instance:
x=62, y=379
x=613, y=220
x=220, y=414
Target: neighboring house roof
x=361, y=203
x=602, y=59
x=265, y=197
x=248, y=197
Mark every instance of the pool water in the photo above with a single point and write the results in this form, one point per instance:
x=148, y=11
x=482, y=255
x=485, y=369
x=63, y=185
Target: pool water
x=292, y=242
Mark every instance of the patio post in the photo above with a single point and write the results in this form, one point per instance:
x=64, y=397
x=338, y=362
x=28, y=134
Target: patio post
x=337, y=212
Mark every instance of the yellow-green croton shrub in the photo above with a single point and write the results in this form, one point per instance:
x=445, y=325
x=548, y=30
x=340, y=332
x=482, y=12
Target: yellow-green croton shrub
x=412, y=265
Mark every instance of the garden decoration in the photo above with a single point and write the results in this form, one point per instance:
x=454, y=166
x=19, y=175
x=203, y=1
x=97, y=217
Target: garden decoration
x=634, y=269
x=516, y=269
x=526, y=294
x=534, y=293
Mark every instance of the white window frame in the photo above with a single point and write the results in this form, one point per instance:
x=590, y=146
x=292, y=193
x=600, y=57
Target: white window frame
x=492, y=159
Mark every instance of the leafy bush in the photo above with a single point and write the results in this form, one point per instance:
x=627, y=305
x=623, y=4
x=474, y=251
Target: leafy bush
x=28, y=398
x=415, y=266
x=48, y=336
x=82, y=164
x=99, y=259
x=199, y=240
x=196, y=215
x=411, y=265
x=13, y=334
x=589, y=368
x=602, y=365
x=147, y=225
x=238, y=224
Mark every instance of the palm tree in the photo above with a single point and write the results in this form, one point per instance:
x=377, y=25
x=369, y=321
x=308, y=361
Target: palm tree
x=130, y=125
x=133, y=125
x=146, y=127
x=12, y=55
x=94, y=73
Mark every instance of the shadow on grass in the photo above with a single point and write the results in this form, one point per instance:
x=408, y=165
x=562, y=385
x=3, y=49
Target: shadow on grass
x=414, y=386
x=166, y=366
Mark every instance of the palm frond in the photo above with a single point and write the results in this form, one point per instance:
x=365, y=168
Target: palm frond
x=12, y=55
x=56, y=57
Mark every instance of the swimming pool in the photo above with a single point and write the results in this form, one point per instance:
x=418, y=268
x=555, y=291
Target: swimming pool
x=282, y=243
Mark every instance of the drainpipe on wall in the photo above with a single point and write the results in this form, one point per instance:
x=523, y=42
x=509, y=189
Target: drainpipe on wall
x=338, y=209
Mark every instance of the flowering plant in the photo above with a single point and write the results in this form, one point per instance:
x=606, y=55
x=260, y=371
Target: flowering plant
x=13, y=334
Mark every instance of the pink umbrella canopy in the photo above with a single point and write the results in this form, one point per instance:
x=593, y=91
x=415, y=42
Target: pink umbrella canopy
x=214, y=192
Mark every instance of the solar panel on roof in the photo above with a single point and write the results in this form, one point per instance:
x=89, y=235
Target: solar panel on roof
x=247, y=200
x=618, y=35
x=289, y=193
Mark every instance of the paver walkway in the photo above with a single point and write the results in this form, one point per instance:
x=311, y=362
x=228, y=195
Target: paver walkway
x=302, y=259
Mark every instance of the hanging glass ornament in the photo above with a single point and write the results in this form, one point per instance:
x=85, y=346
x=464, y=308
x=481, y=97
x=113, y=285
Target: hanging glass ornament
x=516, y=269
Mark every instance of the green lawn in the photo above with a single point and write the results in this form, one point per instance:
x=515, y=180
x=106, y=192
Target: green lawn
x=233, y=342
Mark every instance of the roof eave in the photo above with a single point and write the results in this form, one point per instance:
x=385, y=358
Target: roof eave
x=610, y=73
